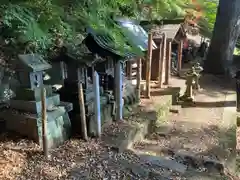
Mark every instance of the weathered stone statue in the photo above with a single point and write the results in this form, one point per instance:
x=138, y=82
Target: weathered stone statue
x=188, y=95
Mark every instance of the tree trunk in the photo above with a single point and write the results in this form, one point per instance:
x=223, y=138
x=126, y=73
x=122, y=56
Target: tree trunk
x=225, y=34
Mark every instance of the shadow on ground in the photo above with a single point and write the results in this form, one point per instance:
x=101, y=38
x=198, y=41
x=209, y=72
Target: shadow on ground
x=215, y=85
x=209, y=104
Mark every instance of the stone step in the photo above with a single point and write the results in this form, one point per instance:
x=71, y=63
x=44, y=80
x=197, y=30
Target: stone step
x=34, y=106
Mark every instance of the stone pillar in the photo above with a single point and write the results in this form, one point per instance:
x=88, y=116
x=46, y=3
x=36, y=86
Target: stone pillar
x=119, y=91
x=198, y=70
x=189, y=87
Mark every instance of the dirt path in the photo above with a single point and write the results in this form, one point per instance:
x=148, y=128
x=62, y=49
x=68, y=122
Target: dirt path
x=201, y=133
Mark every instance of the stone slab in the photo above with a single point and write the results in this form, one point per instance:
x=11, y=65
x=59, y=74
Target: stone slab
x=28, y=94
x=165, y=163
x=34, y=106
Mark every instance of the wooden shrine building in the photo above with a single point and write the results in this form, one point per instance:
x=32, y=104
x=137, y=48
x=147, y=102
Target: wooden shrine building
x=166, y=34
x=119, y=56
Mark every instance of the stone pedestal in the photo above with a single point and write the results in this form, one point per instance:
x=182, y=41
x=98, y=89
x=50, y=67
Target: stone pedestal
x=24, y=116
x=191, y=76
x=198, y=70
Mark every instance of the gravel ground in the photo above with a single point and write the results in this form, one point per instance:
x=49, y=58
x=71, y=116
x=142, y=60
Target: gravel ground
x=76, y=159
x=195, y=130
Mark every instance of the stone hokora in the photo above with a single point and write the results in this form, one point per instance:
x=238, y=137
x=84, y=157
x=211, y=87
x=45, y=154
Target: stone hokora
x=27, y=119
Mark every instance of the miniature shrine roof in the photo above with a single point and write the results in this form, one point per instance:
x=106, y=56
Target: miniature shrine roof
x=106, y=42
x=136, y=39
x=32, y=63
x=81, y=55
x=169, y=27
x=170, y=30
x=135, y=33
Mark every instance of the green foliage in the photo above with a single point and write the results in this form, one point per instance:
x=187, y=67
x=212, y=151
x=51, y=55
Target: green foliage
x=209, y=16
x=39, y=25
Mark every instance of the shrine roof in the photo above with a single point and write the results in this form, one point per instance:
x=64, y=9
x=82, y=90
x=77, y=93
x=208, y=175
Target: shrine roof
x=135, y=33
x=81, y=55
x=168, y=27
x=170, y=30
x=32, y=63
x=109, y=44
x=134, y=36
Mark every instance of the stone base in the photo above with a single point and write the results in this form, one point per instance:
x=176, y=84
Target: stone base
x=106, y=117
x=130, y=97
x=30, y=125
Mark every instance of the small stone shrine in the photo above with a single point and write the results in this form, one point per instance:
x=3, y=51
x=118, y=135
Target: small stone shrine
x=24, y=113
x=79, y=69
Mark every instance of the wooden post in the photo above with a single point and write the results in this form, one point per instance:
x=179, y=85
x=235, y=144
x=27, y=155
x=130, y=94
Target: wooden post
x=86, y=78
x=168, y=61
x=180, y=47
x=139, y=70
x=164, y=47
x=129, y=64
x=44, y=123
x=148, y=66
x=119, y=92
x=82, y=108
x=160, y=70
